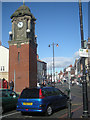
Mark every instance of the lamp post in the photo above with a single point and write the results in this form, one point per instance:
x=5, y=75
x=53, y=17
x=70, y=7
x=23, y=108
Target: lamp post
x=69, y=94
x=53, y=61
x=84, y=81
x=56, y=76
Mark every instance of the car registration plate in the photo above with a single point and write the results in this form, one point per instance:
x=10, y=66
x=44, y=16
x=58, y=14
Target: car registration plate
x=24, y=103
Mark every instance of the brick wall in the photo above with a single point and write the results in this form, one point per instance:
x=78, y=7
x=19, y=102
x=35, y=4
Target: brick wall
x=25, y=67
x=33, y=66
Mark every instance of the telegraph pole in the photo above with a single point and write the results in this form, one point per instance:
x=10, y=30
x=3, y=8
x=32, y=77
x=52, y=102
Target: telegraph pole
x=84, y=81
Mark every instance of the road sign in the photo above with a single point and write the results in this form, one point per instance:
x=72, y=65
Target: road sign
x=84, y=52
x=68, y=69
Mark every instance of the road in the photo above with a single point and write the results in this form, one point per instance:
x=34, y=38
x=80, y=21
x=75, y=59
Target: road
x=76, y=96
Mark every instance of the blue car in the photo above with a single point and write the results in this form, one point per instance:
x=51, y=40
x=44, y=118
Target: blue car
x=43, y=99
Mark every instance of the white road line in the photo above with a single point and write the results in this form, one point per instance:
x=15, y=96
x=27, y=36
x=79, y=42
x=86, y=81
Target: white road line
x=27, y=116
x=8, y=114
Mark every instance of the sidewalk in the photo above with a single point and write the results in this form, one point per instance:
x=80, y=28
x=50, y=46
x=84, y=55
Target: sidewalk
x=77, y=113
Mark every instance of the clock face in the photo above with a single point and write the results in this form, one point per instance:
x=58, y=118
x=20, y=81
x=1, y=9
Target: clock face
x=20, y=24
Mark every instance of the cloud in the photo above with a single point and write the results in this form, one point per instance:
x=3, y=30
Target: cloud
x=60, y=62
x=76, y=55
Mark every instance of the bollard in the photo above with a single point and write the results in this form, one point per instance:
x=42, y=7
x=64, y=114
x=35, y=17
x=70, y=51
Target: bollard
x=69, y=109
x=69, y=103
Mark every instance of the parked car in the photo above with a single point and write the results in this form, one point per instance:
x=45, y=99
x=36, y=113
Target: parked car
x=43, y=99
x=8, y=99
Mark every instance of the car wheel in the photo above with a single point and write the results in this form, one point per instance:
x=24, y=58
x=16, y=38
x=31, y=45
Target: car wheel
x=49, y=110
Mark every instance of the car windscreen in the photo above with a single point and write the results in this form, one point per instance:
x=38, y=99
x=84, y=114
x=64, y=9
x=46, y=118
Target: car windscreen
x=30, y=93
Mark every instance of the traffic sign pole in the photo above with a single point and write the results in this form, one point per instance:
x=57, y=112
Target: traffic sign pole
x=84, y=81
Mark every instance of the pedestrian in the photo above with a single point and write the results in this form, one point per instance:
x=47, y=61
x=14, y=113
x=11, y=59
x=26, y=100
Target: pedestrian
x=43, y=83
x=11, y=84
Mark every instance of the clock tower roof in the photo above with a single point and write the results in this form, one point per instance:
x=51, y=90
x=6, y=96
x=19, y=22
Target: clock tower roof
x=22, y=11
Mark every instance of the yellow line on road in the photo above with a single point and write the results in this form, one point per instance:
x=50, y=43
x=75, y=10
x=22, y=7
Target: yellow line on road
x=76, y=104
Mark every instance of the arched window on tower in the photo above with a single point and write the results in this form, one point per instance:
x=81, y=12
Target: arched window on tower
x=18, y=56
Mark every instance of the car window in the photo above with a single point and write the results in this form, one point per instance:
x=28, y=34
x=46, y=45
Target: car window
x=11, y=93
x=30, y=93
x=47, y=92
x=4, y=93
x=57, y=92
x=44, y=92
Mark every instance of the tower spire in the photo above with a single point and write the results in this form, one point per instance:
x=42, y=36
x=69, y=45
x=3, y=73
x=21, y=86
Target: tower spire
x=23, y=2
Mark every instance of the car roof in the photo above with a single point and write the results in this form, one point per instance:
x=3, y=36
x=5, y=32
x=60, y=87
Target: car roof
x=4, y=89
x=47, y=87
x=39, y=87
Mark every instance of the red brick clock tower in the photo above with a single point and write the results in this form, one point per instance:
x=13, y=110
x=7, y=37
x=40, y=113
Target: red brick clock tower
x=23, y=49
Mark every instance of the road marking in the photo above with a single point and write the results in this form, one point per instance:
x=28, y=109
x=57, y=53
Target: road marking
x=28, y=116
x=75, y=95
x=8, y=114
x=71, y=111
x=76, y=104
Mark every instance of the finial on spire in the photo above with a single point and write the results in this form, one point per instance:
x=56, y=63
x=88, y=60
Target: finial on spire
x=23, y=2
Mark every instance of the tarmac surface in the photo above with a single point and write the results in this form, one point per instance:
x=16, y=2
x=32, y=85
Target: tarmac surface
x=76, y=99
x=79, y=112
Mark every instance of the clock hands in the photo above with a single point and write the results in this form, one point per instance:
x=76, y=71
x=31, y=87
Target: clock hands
x=20, y=24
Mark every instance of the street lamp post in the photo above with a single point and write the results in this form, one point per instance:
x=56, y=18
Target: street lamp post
x=56, y=76
x=53, y=62
x=69, y=93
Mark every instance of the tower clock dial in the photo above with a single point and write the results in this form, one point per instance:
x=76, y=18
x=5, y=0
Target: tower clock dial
x=20, y=24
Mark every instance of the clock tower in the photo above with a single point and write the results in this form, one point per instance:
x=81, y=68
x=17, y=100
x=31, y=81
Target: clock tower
x=23, y=49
